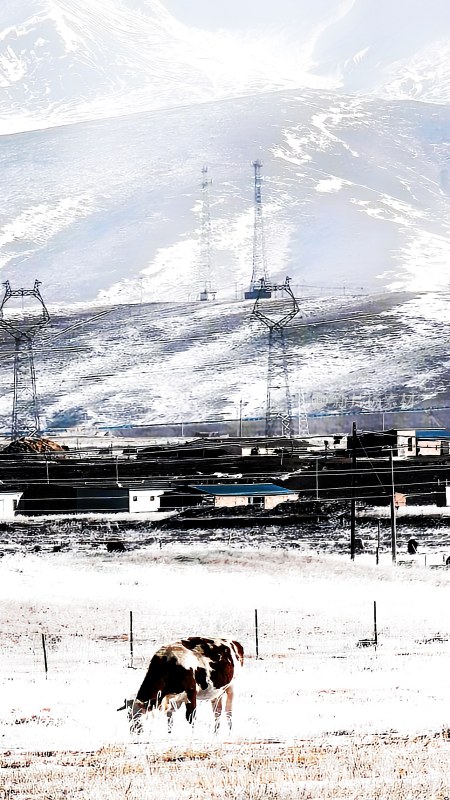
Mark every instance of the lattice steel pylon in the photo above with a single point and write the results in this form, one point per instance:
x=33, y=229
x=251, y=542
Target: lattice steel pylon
x=260, y=282
x=279, y=418
x=205, y=267
x=25, y=414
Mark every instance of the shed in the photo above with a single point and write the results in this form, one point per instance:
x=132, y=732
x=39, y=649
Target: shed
x=8, y=504
x=231, y=495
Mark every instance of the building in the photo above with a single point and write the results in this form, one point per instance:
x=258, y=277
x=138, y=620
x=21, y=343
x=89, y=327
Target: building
x=55, y=498
x=9, y=502
x=433, y=442
x=231, y=495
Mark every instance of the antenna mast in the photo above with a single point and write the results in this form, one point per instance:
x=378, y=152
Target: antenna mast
x=206, y=290
x=25, y=415
x=259, y=284
x=278, y=396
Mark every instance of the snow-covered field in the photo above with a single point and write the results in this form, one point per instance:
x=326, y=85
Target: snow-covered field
x=318, y=714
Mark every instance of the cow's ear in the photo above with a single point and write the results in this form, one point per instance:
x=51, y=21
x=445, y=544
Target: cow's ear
x=122, y=708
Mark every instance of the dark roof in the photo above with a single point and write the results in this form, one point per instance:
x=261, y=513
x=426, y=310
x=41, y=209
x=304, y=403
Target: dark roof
x=242, y=489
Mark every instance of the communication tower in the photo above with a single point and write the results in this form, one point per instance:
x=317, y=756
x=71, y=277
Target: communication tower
x=24, y=327
x=279, y=418
x=259, y=284
x=205, y=267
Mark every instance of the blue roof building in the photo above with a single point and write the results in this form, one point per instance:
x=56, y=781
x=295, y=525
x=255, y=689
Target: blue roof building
x=230, y=495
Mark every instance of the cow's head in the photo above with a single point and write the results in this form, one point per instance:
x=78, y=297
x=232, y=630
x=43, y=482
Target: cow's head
x=135, y=709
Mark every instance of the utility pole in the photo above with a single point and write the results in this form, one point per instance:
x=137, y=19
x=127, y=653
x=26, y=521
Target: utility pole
x=241, y=403
x=393, y=519
x=353, y=500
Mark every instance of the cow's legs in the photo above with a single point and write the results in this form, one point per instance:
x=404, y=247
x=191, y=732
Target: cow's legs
x=229, y=705
x=191, y=704
x=217, y=710
x=170, y=720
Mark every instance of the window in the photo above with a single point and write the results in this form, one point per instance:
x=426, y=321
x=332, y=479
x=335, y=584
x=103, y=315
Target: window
x=134, y=498
x=410, y=441
x=152, y=497
x=256, y=501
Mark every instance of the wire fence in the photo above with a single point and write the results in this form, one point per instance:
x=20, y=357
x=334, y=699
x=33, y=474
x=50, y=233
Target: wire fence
x=338, y=631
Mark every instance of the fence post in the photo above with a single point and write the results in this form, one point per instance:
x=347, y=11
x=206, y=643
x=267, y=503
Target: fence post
x=256, y=633
x=45, y=654
x=375, y=631
x=131, y=640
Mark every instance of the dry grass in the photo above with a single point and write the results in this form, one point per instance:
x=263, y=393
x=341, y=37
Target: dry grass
x=338, y=767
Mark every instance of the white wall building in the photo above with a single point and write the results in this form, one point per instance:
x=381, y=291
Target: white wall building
x=8, y=504
x=142, y=501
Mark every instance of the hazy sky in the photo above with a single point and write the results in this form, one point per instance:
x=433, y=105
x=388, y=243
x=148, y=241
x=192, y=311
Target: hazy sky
x=246, y=13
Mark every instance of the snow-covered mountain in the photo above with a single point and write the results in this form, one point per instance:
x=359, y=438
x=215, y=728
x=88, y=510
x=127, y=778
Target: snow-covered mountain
x=70, y=60
x=355, y=194
x=110, y=108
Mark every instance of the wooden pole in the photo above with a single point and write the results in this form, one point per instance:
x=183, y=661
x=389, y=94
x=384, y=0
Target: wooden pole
x=256, y=633
x=375, y=631
x=393, y=520
x=45, y=654
x=378, y=543
x=353, y=500
x=131, y=639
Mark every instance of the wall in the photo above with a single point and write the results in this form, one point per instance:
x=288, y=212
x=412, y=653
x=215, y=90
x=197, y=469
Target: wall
x=429, y=447
x=403, y=439
x=270, y=501
x=92, y=499
x=142, y=500
x=225, y=501
x=276, y=499
x=7, y=506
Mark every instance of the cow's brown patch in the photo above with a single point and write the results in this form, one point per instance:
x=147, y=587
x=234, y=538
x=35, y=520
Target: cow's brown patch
x=165, y=676
x=201, y=644
x=219, y=653
x=239, y=650
x=222, y=667
x=200, y=677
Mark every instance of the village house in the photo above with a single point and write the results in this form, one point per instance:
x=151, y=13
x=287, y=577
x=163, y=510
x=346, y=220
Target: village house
x=231, y=495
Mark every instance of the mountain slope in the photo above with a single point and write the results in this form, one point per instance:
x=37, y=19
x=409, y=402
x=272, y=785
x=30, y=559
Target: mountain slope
x=171, y=362
x=70, y=60
x=355, y=194
x=65, y=61
x=106, y=210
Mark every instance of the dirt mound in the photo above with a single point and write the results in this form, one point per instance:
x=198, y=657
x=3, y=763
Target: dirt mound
x=33, y=445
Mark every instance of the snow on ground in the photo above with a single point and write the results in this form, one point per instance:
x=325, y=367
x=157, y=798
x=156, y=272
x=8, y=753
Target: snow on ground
x=311, y=679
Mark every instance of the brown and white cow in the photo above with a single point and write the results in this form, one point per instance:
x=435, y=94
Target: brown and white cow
x=195, y=668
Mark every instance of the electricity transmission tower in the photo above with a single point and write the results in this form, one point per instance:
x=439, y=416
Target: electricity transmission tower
x=24, y=329
x=278, y=396
x=24, y=324
x=205, y=270
x=259, y=284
